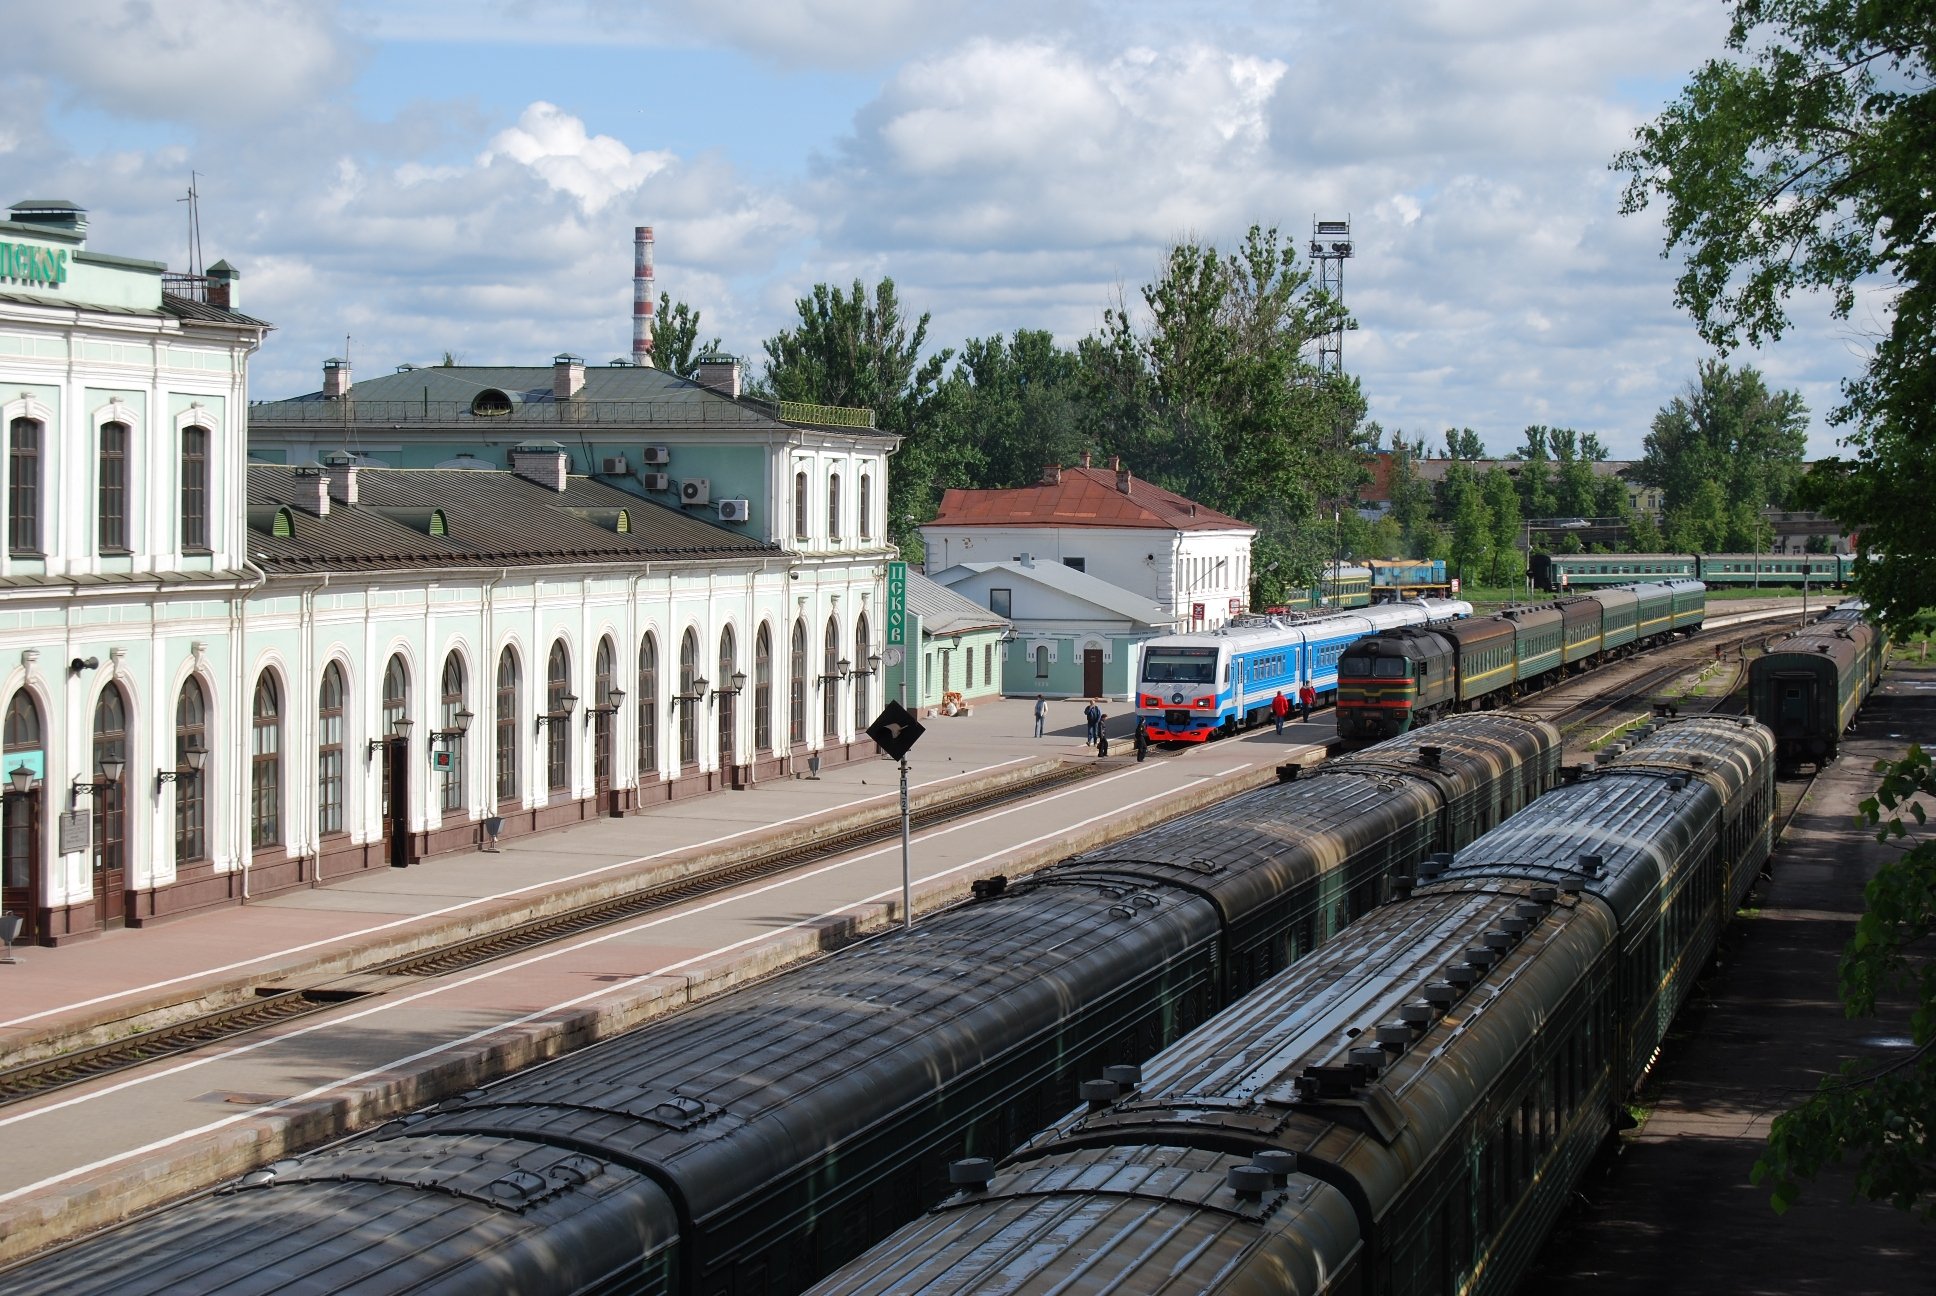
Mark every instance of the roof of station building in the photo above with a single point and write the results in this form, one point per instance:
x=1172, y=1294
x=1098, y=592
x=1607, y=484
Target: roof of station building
x=413, y=518
x=1083, y=497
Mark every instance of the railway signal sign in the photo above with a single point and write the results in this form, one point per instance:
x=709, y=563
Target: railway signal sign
x=895, y=730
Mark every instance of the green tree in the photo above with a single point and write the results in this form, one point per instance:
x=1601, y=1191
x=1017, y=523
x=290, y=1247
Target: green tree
x=1012, y=405
x=858, y=351
x=1411, y=497
x=675, y=338
x=1471, y=524
x=1884, y=1116
x=1502, y=504
x=1536, y=474
x=1217, y=398
x=1463, y=443
x=1801, y=161
x=1729, y=432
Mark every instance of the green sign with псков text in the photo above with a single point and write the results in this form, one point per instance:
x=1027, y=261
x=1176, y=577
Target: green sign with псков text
x=31, y=264
x=896, y=604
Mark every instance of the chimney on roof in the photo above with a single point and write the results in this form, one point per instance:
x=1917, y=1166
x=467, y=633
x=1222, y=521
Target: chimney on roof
x=643, y=302
x=548, y=466
x=719, y=373
x=1122, y=478
x=1051, y=474
x=567, y=376
x=342, y=485
x=225, y=286
x=1085, y=459
x=336, y=379
x=311, y=493
x=1027, y=560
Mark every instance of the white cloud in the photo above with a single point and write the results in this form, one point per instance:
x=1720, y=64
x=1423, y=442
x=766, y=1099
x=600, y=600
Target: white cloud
x=210, y=62
x=594, y=169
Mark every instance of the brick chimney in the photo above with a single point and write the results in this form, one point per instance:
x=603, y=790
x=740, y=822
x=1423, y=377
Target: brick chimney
x=311, y=493
x=336, y=379
x=1085, y=459
x=1051, y=474
x=1123, y=478
x=225, y=286
x=342, y=485
x=719, y=373
x=546, y=465
x=567, y=376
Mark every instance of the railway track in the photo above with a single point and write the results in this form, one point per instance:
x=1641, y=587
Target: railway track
x=275, y=1005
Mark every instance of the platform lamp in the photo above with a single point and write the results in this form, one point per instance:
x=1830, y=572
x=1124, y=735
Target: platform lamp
x=873, y=663
x=111, y=771
x=566, y=704
x=196, y=757
x=737, y=681
x=614, y=697
x=399, y=728
x=460, y=725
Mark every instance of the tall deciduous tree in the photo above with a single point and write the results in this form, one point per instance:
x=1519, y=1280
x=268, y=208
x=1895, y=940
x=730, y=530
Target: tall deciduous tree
x=1803, y=161
x=858, y=350
x=1463, y=443
x=1728, y=447
x=1012, y=405
x=676, y=347
x=1501, y=493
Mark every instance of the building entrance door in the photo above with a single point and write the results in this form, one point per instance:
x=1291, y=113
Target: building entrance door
x=396, y=802
x=1092, y=672
x=19, y=862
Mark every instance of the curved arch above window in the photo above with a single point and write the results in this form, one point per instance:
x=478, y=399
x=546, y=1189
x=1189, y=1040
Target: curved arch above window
x=494, y=402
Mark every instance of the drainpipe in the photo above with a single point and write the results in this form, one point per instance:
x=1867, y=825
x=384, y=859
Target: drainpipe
x=239, y=636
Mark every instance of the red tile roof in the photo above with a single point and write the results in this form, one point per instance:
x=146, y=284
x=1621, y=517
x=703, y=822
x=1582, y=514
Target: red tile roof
x=1083, y=497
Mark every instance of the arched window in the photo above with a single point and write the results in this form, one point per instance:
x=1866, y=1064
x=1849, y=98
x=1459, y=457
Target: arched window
x=763, y=689
x=866, y=506
x=19, y=840
x=110, y=813
x=396, y=708
x=558, y=731
x=508, y=729
x=112, y=495
x=23, y=488
x=688, y=704
x=800, y=506
x=191, y=790
x=194, y=490
x=797, y=686
x=265, y=765
x=648, y=705
x=833, y=506
x=830, y=684
x=728, y=711
x=604, y=710
x=329, y=751
x=455, y=730
x=1041, y=661
x=863, y=677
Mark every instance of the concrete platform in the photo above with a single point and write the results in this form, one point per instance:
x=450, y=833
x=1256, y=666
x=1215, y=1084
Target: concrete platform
x=1674, y=1210
x=92, y=1154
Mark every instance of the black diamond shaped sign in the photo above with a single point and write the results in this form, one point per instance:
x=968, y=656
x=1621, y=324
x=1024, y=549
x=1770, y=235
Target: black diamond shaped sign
x=895, y=731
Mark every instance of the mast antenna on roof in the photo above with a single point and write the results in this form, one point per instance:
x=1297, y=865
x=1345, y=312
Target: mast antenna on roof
x=194, y=202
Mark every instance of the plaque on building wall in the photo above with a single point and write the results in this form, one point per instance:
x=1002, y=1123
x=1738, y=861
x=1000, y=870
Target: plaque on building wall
x=74, y=831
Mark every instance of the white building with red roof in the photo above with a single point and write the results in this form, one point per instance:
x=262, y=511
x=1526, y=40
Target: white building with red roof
x=1191, y=560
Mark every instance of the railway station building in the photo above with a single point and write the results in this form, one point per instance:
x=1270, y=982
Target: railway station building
x=255, y=647
x=1189, y=559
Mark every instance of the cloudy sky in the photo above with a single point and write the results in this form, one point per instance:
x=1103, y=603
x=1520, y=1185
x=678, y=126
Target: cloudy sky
x=401, y=178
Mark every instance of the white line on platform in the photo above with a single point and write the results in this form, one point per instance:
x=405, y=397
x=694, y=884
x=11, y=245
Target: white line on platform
x=539, y=1013
x=466, y=904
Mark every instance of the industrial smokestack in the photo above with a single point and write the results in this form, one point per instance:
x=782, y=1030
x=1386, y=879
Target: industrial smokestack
x=643, y=296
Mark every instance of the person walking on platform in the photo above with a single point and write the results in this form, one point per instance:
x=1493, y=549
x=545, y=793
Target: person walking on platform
x=1093, y=714
x=1280, y=707
x=1102, y=732
x=1307, y=700
x=1041, y=713
x=1142, y=739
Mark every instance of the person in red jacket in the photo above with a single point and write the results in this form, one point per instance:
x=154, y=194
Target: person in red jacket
x=1307, y=700
x=1280, y=707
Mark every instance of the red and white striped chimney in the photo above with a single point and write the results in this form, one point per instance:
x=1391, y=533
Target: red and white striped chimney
x=643, y=297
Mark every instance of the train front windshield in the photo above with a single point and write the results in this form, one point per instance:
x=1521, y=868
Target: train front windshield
x=1180, y=666
x=1373, y=668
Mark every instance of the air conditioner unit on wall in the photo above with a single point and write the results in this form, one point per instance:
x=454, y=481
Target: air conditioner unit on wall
x=656, y=481
x=655, y=455
x=614, y=466
x=733, y=510
x=696, y=490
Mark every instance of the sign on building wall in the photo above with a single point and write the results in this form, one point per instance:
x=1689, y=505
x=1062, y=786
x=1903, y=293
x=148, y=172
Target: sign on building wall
x=74, y=825
x=896, y=604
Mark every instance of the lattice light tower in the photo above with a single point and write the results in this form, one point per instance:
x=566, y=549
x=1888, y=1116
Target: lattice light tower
x=1330, y=248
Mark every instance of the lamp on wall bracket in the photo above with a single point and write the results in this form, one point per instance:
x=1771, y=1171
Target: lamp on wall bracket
x=111, y=771
x=20, y=779
x=399, y=728
x=196, y=758
x=460, y=725
x=735, y=683
x=566, y=704
x=613, y=698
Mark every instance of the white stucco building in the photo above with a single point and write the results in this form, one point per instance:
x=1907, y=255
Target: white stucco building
x=1191, y=560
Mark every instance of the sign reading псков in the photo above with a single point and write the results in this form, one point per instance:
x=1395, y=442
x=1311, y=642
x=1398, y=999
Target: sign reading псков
x=33, y=264
x=897, y=604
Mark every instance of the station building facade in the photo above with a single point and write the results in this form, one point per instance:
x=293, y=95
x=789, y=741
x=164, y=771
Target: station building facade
x=229, y=678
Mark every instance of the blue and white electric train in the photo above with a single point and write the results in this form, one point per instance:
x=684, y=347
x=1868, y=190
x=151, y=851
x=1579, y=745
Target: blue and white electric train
x=1192, y=687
